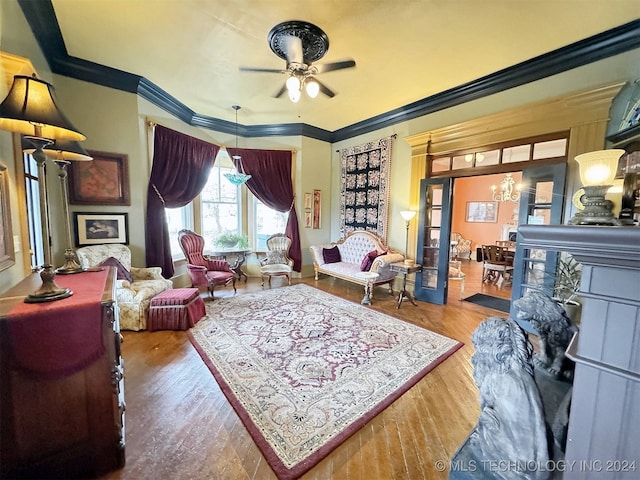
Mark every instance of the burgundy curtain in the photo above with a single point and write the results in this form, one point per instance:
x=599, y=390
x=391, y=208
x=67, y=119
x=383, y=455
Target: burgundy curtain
x=180, y=170
x=271, y=183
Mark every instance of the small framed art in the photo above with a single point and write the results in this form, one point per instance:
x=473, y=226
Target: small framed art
x=482, y=212
x=99, y=228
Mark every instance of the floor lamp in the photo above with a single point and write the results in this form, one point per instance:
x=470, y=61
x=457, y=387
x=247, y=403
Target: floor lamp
x=408, y=216
x=30, y=109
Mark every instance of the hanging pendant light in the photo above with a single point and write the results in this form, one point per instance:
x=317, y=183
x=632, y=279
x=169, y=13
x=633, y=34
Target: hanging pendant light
x=238, y=177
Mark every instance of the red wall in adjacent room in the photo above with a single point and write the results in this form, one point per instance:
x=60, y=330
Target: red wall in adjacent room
x=478, y=189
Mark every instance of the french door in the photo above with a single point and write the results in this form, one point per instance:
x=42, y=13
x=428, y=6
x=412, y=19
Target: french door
x=541, y=203
x=434, y=231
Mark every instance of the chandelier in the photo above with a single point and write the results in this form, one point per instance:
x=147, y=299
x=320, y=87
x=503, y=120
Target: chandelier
x=237, y=177
x=507, y=192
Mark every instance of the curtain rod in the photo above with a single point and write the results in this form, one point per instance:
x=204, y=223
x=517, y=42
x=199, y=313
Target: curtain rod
x=154, y=124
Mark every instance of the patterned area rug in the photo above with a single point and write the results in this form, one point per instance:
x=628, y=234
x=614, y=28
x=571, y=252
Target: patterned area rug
x=305, y=369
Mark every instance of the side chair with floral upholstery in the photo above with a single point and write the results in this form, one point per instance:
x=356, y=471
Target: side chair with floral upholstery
x=204, y=271
x=277, y=261
x=135, y=287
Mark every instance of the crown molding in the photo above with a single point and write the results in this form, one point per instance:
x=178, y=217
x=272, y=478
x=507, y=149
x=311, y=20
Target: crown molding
x=41, y=17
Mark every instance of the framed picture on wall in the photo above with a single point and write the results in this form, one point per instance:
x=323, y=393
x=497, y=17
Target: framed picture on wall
x=99, y=228
x=102, y=181
x=317, y=197
x=482, y=212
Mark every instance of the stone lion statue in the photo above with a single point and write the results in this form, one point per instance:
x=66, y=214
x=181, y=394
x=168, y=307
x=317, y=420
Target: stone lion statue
x=511, y=426
x=554, y=328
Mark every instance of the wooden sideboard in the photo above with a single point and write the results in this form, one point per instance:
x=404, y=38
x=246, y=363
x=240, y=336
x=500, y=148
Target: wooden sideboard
x=67, y=423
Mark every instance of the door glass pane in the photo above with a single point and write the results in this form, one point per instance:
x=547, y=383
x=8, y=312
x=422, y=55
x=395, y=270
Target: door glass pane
x=516, y=154
x=435, y=195
x=434, y=237
x=540, y=216
x=436, y=217
x=429, y=278
x=430, y=257
x=544, y=192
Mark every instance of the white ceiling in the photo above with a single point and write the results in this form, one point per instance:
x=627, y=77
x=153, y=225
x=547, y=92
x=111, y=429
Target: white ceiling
x=405, y=50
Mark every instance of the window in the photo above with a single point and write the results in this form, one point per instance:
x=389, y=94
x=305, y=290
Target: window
x=266, y=222
x=219, y=206
x=544, y=147
x=33, y=210
x=178, y=219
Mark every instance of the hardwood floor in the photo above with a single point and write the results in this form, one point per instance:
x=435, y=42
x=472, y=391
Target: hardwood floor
x=179, y=425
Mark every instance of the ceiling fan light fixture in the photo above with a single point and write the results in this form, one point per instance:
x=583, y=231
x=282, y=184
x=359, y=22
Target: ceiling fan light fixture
x=312, y=88
x=294, y=95
x=293, y=84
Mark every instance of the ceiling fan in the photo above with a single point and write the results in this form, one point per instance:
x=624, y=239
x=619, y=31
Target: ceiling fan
x=300, y=44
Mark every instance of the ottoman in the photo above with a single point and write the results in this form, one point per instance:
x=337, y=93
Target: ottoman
x=176, y=309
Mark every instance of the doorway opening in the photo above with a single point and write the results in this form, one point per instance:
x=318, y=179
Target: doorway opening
x=480, y=218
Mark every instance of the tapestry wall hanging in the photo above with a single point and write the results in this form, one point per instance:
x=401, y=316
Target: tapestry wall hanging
x=364, y=177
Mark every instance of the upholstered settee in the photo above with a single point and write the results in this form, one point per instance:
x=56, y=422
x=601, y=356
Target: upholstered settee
x=352, y=251
x=133, y=297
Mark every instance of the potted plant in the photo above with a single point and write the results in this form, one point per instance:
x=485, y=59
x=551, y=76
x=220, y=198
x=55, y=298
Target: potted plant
x=232, y=239
x=567, y=279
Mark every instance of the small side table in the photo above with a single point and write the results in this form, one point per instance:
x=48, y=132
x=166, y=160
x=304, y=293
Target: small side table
x=369, y=279
x=400, y=267
x=240, y=257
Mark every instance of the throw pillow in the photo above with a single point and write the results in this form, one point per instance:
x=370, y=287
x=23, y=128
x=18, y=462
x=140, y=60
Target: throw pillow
x=123, y=273
x=331, y=255
x=367, y=261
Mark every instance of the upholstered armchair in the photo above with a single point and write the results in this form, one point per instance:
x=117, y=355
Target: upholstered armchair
x=135, y=287
x=462, y=246
x=277, y=261
x=204, y=271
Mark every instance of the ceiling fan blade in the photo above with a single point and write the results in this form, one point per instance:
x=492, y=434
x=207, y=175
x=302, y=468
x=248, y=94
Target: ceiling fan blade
x=293, y=49
x=262, y=70
x=324, y=89
x=280, y=92
x=328, y=67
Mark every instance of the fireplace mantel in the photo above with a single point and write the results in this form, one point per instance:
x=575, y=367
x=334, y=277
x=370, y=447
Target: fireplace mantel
x=606, y=390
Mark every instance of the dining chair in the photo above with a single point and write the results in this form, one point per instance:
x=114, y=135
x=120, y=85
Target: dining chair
x=497, y=264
